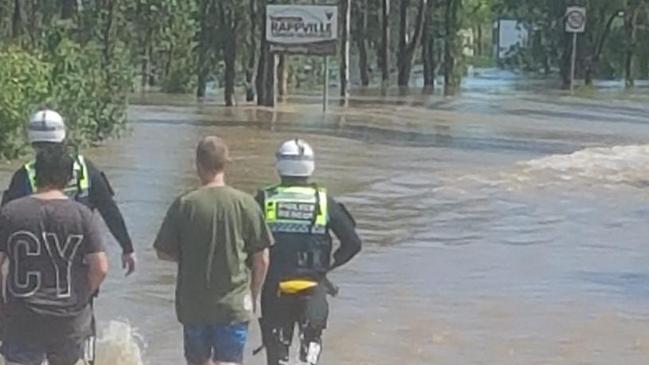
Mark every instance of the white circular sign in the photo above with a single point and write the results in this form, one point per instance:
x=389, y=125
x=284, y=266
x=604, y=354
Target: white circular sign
x=576, y=19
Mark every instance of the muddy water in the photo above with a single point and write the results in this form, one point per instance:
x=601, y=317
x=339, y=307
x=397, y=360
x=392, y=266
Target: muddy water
x=499, y=229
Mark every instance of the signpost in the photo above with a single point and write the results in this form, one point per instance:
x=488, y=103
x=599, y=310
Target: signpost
x=306, y=30
x=575, y=24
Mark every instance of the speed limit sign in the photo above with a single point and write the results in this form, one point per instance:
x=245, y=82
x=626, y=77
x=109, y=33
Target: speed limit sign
x=576, y=19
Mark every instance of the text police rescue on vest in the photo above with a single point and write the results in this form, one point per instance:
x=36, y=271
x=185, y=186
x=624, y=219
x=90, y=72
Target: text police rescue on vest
x=295, y=211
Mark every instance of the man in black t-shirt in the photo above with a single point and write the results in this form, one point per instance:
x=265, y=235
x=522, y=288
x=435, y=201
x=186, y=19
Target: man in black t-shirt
x=56, y=263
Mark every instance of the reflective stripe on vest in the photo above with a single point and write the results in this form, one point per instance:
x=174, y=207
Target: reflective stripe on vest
x=80, y=180
x=296, y=209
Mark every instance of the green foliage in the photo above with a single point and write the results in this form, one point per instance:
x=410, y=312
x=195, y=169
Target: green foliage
x=24, y=80
x=70, y=79
x=90, y=93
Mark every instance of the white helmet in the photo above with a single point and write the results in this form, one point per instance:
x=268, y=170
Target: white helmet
x=46, y=126
x=295, y=159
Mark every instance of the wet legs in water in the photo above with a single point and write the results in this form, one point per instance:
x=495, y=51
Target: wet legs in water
x=309, y=311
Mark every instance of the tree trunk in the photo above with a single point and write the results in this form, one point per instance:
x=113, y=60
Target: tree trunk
x=230, y=58
x=282, y=77
x=17, y=25
x=68, y=8
x=428, y=52
x=361, y=40
x=262, y=64
x=266, y=66
x=407, y=48
x=403, y=43
x=107, y=34
x=270, y=85
x=346, y=14
x=229, y=26
x=480, y=40
x=591, y=64
x=450, y=46
x=565, y=45
x=252, y=49
x=385, y=42
x=630, y=32
x=145, y=70
x=203, y=48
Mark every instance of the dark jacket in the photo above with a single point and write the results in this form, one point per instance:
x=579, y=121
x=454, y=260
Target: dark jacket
x=100, y=197
x=287, y=245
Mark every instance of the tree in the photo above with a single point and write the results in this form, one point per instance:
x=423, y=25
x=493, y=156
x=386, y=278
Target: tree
x=408, y=43
x=384, y=57
x=204, y=48
x=252, y=51
x=229, y=15
x=17, y=26
x=345, y=12
x=360, y=34
x=266, y=70
x=68, y=8
x=601, y=21
x=452, y=46
x=631, y=13
x=428, y=47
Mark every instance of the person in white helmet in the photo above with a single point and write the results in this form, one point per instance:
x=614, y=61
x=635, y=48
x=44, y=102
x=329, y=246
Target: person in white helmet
x=301, y=216
x=88, y=186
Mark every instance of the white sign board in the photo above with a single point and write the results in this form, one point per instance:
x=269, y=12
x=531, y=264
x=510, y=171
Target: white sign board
x=576, y=19
x=306, y=29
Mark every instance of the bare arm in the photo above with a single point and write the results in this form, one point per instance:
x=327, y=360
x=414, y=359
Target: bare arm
x=260, y=262
x=98, y=269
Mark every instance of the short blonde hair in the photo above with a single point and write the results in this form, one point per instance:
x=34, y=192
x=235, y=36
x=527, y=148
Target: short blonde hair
x=212, y=154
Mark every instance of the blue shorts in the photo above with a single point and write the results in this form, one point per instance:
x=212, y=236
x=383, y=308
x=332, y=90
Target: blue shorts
x=59, y=352
x=221, y=343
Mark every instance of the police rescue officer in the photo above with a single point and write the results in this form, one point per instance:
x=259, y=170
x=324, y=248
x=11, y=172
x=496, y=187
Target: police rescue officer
x=301, y=216
x=89, y=185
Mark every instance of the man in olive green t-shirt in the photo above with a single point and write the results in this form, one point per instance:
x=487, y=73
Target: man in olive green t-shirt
x=219, y=239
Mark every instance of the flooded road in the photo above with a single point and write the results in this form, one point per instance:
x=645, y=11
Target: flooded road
x=499, y=228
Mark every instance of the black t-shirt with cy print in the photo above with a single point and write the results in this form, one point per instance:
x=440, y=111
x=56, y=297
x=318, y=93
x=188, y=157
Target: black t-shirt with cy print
x=46, y=242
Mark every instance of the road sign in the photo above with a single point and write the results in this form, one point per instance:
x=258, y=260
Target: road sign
x=576, y=19
x=302, y=29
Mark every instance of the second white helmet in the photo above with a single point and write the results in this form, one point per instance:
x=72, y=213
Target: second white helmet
x=46, y=126
x=295, y=158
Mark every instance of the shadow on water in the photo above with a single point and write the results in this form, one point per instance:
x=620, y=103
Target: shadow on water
x=593, y=117
x=628, y=284
x=344, y=127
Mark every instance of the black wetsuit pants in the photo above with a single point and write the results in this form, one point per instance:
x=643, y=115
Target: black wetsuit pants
x=281, y=313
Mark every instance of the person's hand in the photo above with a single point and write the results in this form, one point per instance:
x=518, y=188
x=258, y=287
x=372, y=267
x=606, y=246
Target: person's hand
x=128, y=263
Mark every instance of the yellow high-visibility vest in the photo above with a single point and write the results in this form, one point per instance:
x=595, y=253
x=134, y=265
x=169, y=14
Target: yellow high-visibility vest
x=296, y=209
x=79, y=186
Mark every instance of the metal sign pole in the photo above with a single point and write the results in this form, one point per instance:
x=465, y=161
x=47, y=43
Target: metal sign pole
x=275, y=78
x=325, y=91
x=575, y=23
x=574, y=62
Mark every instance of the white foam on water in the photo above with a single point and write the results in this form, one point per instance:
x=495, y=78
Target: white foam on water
x=118, y=344
x=605, y=166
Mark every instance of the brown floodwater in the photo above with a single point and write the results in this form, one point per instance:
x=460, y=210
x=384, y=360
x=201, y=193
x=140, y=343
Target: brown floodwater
x=503, y=228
